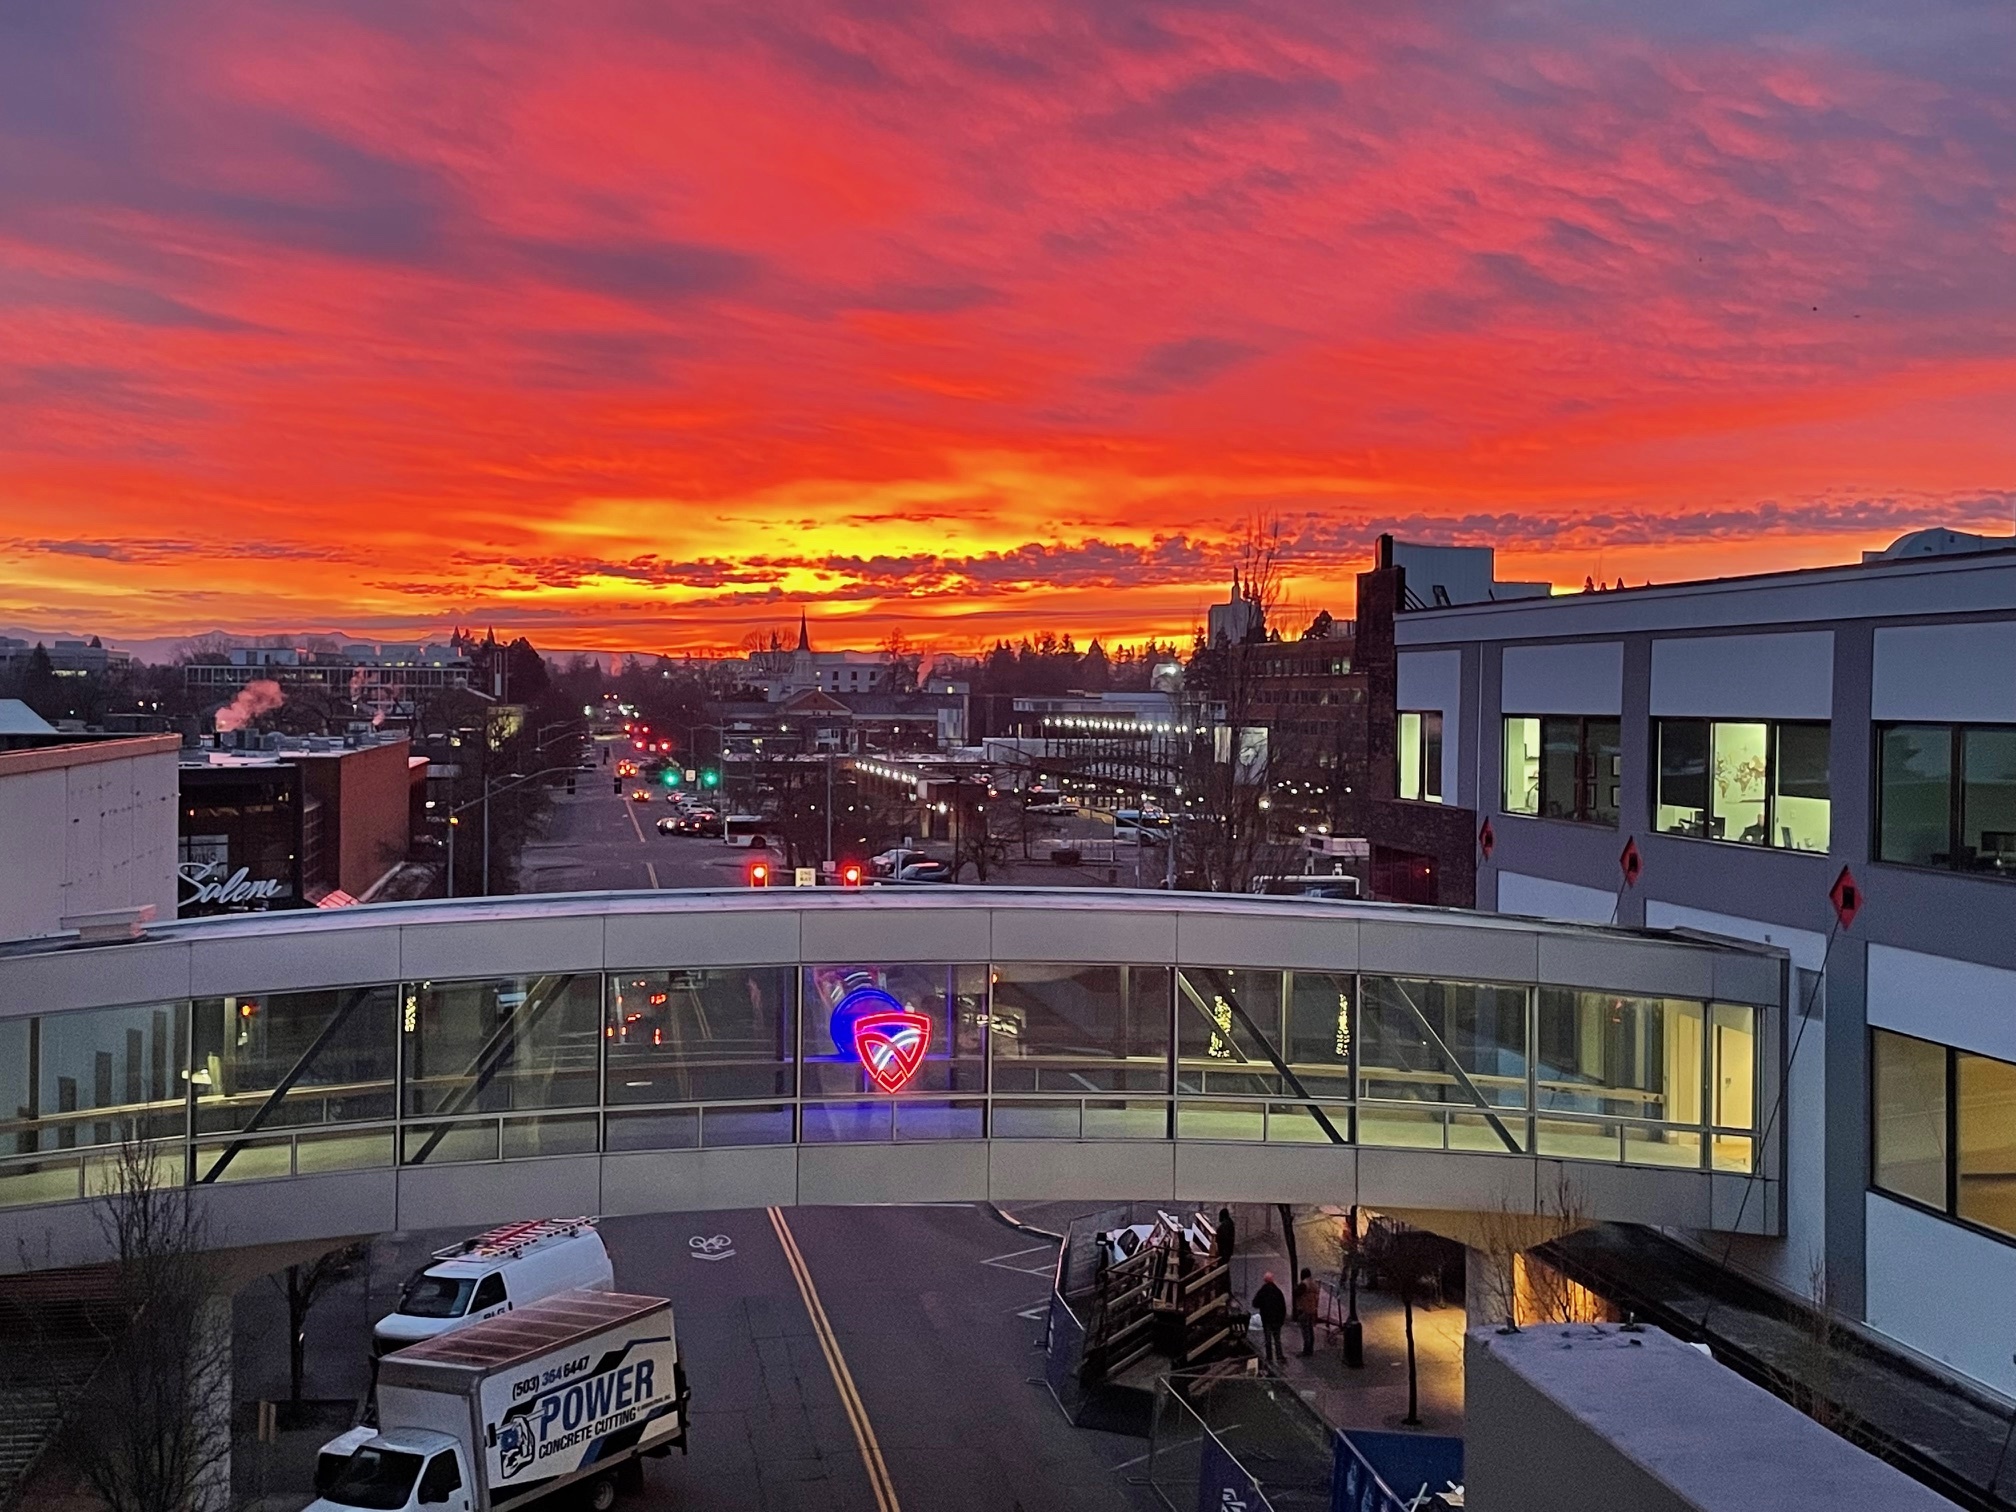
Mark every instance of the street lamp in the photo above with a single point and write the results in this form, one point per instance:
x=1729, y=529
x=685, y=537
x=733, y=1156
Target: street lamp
x=490, y=785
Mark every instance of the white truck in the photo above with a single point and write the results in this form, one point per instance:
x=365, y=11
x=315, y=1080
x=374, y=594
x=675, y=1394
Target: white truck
x=481, y=1277
x=565, y=1393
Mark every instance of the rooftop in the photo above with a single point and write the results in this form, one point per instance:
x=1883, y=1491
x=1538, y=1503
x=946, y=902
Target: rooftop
x=1953, y=582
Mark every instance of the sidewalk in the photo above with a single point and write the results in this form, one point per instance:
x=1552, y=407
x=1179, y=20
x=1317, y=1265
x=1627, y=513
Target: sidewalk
x=1376, y=1395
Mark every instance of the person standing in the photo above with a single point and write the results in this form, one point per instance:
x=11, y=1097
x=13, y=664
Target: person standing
x=1273, y=1310
x=1306, y=1300
x=1225, y=1236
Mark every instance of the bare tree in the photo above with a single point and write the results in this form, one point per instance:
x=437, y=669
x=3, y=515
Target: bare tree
x=904, y=659
x=1229, y=832
x=154, y=1432
x=1519, y=1287
x=303, y=1286
x=1407, y=1258
x=983, y=822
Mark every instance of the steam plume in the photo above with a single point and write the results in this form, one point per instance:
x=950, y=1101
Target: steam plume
x=254, y=699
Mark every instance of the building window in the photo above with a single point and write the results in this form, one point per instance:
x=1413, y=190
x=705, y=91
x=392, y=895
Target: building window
x=1948, y=797
x=1754, y=782
x=1563, y=767
x=1420, y=748
x=1943, y=1129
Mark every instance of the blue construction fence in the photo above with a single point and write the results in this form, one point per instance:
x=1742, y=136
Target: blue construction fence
x=1251, y=1444
x=1392, y=1472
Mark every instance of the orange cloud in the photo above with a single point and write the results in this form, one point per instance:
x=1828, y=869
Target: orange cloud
x=647, y=327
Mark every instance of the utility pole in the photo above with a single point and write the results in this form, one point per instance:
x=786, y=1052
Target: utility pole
x=829, y=807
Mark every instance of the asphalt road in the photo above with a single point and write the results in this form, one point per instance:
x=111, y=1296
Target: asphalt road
x=926, y=1309
x=600, y=841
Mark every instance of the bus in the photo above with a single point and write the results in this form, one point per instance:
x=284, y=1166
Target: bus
x=744, y=829
x=1142, y=826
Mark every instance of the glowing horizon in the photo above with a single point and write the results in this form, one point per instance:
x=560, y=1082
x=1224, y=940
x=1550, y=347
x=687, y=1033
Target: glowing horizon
x=648, y=329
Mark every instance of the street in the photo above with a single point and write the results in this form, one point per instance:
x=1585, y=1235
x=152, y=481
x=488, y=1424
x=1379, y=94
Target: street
x=600, y=840
x=933, y=1312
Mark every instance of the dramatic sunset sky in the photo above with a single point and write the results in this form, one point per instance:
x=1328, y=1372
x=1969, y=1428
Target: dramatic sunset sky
x=641, y=324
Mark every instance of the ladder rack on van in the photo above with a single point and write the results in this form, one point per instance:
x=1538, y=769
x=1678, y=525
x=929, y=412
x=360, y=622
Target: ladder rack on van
x=514, y=1238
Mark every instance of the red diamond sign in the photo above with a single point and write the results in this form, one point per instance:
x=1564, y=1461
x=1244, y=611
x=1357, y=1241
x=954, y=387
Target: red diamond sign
x=892, y=1046
x=1846, y=896
x=1487, y=840
x=1630, y=862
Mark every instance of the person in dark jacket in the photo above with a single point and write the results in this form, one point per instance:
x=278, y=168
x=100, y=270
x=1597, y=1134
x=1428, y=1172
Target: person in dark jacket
x=1225, y=1235
x=1308, y=1303
x=1273, y=1310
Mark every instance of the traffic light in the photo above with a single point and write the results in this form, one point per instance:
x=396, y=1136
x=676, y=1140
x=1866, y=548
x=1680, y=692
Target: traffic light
x=850, y=874
x=759, y=873
x=670, y=776
x=709, y=777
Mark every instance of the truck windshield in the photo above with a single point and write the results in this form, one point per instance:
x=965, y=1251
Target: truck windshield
x=379, y=1479
x=436, y=1296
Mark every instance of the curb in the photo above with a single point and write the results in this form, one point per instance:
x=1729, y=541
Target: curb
x=1019, y=1226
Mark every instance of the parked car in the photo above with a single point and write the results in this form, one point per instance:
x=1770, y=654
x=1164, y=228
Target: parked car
x=924, y=871
x=890, y=862
x=1054, y=806
x=669, y=825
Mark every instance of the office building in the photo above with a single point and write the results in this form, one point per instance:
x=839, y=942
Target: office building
x=290, y=823
x=1823, y=760
x=67, y=658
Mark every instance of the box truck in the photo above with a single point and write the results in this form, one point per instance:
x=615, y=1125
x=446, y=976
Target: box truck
x=565, y=1393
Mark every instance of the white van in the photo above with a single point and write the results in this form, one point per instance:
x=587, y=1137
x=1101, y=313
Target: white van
x=493, y=1273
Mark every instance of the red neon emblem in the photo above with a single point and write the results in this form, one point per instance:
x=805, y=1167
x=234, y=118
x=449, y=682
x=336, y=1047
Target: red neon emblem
x=891, y=1046
x=1846, y=896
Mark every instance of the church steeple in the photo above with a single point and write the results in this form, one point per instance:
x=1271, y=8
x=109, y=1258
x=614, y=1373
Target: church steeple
x=804, y=633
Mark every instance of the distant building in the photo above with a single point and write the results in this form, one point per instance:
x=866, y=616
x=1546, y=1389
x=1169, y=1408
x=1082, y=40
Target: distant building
x=815, y=723
x=385, y=679
x=67, y=658
x=1241, y=617
x=781, y=675
x=85, y=830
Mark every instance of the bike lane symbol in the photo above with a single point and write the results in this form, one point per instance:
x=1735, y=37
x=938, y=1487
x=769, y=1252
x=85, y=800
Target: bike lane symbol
x=711, y=1247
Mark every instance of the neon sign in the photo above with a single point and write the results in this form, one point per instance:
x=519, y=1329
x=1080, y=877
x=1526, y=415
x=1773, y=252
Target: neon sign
x=888, y=1039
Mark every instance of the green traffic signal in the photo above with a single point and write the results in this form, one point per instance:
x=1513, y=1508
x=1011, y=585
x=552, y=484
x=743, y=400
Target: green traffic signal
x=710, y=778
x=670, y=776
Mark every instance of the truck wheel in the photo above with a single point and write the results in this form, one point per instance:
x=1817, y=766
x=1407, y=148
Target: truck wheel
x=601, y=1495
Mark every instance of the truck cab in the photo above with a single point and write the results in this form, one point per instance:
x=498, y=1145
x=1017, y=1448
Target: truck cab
x=404, y=1470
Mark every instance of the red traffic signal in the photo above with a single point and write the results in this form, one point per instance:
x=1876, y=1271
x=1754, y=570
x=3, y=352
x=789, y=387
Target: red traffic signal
x=759, y=873
x=850, y=874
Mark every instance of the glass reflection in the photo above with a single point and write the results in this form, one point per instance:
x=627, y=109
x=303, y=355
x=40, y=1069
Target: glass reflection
x=1453, y=1042
x=699, y=1035
x=336, y=1052
x=94, y=1077
x=1080, y=1028
x=1228, y=1031
x=517, y=1042
x=952, y=997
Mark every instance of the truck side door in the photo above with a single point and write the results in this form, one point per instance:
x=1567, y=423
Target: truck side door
x=490, y=1298
x=443, y=1485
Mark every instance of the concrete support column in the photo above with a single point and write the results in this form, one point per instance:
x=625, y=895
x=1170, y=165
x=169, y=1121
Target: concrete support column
x=211, y=1395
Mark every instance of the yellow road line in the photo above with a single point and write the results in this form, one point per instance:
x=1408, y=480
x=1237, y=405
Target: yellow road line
x=843, y=1381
